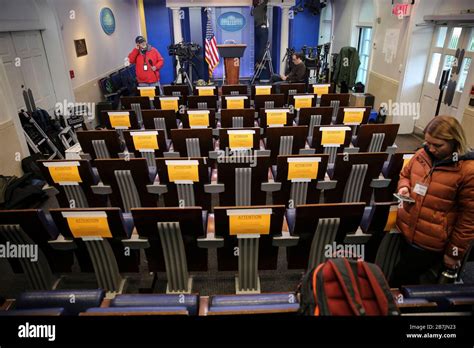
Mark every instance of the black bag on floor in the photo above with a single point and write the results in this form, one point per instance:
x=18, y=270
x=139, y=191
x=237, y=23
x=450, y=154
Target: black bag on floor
x=24, y=193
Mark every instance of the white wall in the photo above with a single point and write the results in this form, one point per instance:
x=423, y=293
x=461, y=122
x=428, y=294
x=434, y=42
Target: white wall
x=105, y=52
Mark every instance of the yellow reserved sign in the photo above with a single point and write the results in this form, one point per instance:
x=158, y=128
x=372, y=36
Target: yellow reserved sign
x=145, y=140
x=240, y=140
x=391, y=220
x=242, y=221
x=89, y=225
x=264, y=90
x=169, y=104
x=333, y=136
x=320, y=89
x=353, y=116
x=303, y=103
x=303, y=168
x=276, y=117
x=205, y=91
x=199, y=119
x=120, y=120
x=148, y=92
x=65, y=174
x=235, y=103
x=183, y=170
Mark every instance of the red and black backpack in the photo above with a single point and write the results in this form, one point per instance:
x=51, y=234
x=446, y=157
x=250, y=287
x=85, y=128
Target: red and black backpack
x=346, y=287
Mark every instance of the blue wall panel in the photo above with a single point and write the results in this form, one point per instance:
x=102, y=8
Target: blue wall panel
x=304, y=30
x=157, y=17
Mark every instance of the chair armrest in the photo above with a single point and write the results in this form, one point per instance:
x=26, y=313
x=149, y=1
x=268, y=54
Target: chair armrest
x=326, y=185
x=63, y=244
x=101, y=189
x=380, y=183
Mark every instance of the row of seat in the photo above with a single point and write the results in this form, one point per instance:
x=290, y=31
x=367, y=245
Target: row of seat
x=411, y=300
x=95, y=303
x=237, y=180
x=176, y=240
x=212, y=143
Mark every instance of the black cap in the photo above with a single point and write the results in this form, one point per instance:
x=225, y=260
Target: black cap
x=139, y=39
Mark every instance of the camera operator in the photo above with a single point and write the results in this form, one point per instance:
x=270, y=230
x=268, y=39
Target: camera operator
x=148, y=62
x=297, y=72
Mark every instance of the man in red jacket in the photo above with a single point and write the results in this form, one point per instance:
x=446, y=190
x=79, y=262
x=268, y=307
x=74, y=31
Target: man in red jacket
x=148, y=62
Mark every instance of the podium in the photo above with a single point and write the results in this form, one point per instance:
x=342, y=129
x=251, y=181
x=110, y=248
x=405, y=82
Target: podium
x=231, y=54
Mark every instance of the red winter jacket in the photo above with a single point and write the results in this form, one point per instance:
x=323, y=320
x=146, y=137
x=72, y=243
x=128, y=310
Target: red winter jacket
x=139, y=59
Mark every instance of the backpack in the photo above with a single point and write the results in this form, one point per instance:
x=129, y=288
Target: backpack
x=342, y=287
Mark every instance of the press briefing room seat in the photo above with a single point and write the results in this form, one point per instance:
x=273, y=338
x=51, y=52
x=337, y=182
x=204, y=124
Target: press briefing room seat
x=375, y=137
x=275, y=117
x=195, y=118
x=171, y=243
x=237, y=118
x=315, y=116
x=73, y=180
x=192, y=142
x=253, y=230
x=239, y=140
x=234, y=90
x=269, y=101
x=243, y=180
x=127, y=103
x=235, y=101
x=99, y=144
x=313, y=227
x=160, y=119
x=125, y=182
x=357, y=175
x=202, y=102
x=101, y=230
x=330, y=140
x=177, y=91
x=182, y=181
x=288, y=89
x=120, y=120
x=148, y=144
x=252, y=304
x=299, y=176
x=336, y=100
x=285, y=141
x=391, y=170
x=32, y=227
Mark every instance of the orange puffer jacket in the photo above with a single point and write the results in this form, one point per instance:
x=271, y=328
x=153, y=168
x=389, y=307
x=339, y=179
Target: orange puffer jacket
x=443, y=219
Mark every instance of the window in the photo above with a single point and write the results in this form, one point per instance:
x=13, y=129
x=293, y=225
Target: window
x=435, y=60
x=456, y=34
x=442, y=31
x=470, y=45
x=365, y=37
x=463, y=74
x=448, y=62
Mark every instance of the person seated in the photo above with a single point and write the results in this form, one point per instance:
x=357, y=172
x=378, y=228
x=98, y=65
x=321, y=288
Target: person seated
x=297, y=72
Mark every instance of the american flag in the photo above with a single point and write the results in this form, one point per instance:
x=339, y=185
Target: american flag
x=212, y=56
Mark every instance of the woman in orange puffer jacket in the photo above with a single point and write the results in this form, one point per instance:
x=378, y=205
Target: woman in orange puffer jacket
x=438, y=227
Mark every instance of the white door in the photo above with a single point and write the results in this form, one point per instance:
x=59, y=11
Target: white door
x=446, y=40
x=27, y=67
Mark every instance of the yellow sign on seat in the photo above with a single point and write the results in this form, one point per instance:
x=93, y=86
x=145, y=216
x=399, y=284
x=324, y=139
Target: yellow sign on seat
x=321, y=89
x=119, y=119
x=88, y=224
x=169, y=103
x=249, y=221
x=333, y=136
x=205, y=91
x=353, y=116
x=147, y=92
x=144, y=141
x=263, y=90
x=64, y=172
x=303, y=168
x=303, y=101
x=276, y=117
x=235, y=102
x=240, y=139
x=198, y=118
x=183, y=171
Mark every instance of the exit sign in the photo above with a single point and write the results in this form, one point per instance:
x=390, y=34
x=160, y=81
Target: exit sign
x=401, y=10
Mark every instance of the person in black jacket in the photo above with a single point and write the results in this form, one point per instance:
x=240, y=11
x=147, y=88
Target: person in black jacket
x=297, y=73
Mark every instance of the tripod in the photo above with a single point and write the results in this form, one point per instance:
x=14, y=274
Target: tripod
x=267, y=58
x=182, y=73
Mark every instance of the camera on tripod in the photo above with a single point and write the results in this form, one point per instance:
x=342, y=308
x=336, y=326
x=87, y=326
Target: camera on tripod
x=184, y=50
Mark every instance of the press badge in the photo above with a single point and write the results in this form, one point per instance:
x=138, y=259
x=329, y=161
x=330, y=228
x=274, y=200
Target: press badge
x=145, y=67
x=420, y=189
